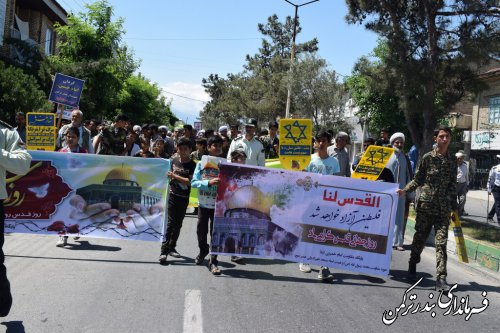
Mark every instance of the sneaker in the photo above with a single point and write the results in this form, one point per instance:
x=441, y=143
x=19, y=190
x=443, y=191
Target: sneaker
x=325, y=274
x=76, y=238
x=162, y=259
x=441, y=284
x=305, y=268
x=62, y=242
x=174, y=254
x=236, y=258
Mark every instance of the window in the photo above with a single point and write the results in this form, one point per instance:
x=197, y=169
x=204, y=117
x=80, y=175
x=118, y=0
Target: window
x=494, y=109
x=49, y=34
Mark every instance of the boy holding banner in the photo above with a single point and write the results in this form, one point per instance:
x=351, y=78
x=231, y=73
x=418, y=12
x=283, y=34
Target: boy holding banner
x=178, y=200
x=206, y=179
x=324, y=164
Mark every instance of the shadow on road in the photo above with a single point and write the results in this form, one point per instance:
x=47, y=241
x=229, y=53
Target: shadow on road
x=85, y=245
x=13, y=326
x=86, y=259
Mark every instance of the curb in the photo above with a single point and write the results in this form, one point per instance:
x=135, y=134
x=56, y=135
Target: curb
x=482, y=258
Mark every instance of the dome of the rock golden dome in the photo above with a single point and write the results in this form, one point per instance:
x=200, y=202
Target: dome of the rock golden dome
x=123, y=173
x=249, y=197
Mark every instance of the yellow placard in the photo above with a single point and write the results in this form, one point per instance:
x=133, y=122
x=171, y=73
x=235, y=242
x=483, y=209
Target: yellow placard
x=295, y=143
x=459, y=237
x=373, y=162
x=41, y=131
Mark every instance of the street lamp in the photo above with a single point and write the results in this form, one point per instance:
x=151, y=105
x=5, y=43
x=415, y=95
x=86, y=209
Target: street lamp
x=287, y=113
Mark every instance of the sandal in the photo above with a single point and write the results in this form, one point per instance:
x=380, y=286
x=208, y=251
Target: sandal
x=199, y=259
x=214, y=269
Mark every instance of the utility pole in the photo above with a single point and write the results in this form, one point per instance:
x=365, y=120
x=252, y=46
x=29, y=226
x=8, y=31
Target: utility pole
x=292, y=55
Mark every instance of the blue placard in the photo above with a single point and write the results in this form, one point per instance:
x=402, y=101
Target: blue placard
x=66, y=90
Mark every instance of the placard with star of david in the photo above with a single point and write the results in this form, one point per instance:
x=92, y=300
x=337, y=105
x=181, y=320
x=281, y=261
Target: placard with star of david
x=295, y=143
x=373, y=162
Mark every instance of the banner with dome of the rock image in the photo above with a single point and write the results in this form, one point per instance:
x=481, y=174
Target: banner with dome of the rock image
x=89, y=195
x=331, y=221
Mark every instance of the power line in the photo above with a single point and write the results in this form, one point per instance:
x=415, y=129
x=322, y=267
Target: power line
x=192, y=39
x=78, y=4
x=192, y=99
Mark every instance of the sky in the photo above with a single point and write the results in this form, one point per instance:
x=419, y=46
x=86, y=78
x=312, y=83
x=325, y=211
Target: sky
x=180, y=42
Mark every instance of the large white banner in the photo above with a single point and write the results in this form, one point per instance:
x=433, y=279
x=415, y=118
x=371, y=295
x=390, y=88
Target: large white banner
x=89, y=195
x=330, y=221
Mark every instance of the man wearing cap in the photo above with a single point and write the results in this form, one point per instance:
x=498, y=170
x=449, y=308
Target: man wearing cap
x=494, y=187
x=252, y=147
x=338, y=151
x=271, y=141
x=400, y=167
x=462, y=182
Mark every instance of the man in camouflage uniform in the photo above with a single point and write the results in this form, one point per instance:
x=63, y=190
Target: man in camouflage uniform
x=112, y=139
x=271, y=141
x=436, y=177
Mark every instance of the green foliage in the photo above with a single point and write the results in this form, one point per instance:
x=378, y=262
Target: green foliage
x=91, y=49
x=432, y=53
x=19, y=92
x=317, y=94
x=142, y=101
x=373, y=93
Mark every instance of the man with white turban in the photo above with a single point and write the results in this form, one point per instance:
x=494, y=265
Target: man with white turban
x=400, y=167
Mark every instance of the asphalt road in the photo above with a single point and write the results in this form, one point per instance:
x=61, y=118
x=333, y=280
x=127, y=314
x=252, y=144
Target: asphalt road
x=118, y=286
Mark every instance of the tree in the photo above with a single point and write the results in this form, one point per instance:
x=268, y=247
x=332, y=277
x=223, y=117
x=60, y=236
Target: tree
x=143, y=99
x=91, y=49
x=435, y=48
x=19, y=92
x=317, y=94
x=372, y=91
x=260, y=90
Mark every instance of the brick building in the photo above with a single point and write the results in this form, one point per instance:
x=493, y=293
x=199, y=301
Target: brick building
x=31, y=21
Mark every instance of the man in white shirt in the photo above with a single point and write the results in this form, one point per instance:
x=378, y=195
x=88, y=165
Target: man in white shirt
x=252, y=147
x=85, y=140
x=340, y=153
x=462, y=182
x=494, y=188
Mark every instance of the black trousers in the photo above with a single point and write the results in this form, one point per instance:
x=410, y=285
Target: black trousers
x=176, y=212
x=204, y=216
x=5, y=296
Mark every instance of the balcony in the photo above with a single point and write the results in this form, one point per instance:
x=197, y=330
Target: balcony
x=19, y=53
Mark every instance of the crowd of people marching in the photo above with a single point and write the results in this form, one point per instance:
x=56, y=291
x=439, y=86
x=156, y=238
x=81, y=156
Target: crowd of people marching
x=185, y=147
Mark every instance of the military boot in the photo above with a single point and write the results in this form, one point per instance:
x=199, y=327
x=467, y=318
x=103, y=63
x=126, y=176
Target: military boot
x=441, y=284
